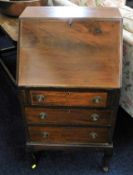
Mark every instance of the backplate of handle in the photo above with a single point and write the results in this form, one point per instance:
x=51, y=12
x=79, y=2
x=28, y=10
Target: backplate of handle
x=42, y=115
x=97, y=99
x=93, y=135
x=94, y=117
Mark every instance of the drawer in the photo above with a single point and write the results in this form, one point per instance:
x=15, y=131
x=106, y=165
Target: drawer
x=68, y=116
x=59, y=98
x=68, y=135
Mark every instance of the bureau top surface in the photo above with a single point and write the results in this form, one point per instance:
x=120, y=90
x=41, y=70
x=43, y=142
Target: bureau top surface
x=69, y=53
x=70, y=12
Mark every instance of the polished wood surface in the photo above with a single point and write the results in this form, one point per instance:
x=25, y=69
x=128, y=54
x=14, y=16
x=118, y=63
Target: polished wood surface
x=59, y=98
x=73, y=53
x=68, y=116
x=78, y=12
x=15, y=8
x=68, y=135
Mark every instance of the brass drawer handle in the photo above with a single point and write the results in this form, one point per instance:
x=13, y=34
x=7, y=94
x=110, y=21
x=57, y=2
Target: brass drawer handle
x=40, y=98
x=45, y=135
x=93, y=135
x=42, y=115
x=94, y=117
x=97, y=100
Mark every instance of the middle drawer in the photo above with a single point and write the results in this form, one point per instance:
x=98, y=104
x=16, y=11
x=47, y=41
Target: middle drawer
x=68, y=116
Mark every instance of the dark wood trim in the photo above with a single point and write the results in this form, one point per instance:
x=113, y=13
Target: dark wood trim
x=38, y=146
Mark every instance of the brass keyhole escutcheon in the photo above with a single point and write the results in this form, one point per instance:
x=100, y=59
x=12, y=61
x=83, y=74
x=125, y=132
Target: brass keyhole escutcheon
x=97, y=30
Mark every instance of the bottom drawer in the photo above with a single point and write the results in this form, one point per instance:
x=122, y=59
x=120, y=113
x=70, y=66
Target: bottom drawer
x=68, y=135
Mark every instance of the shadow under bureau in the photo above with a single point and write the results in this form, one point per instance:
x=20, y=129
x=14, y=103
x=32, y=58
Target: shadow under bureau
x=69, y=77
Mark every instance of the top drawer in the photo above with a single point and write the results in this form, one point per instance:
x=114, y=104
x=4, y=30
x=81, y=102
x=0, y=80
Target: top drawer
x=59, y=98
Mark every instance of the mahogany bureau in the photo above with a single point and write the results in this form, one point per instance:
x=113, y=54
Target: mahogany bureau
x=69, y=77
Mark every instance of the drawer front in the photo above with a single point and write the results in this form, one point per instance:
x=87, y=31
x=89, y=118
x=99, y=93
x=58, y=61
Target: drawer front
x=68, y=116
x=57, y=98
x=68, y=135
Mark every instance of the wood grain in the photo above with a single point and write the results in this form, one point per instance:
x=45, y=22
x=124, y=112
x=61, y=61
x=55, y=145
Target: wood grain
x=69, y=52
x=68, y=135
x=68, y=116
x=60, y=98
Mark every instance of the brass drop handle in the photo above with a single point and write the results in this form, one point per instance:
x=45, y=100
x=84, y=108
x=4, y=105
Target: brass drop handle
x=97, y=100
x=45, y=135
x=94, y=117
x=42, y=115
x=93, y=135
x=40, y=98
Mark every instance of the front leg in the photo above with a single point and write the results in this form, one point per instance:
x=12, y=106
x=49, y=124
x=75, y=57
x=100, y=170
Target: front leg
x=33, y=158
x=106, y=159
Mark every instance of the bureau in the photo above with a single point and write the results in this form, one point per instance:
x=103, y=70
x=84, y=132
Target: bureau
x=69, y=77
